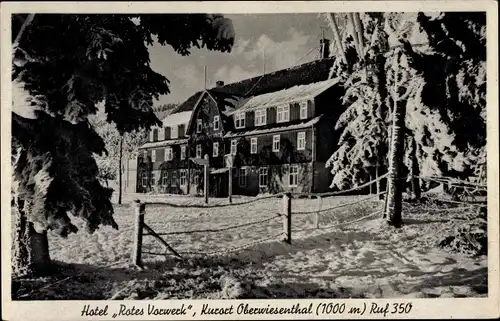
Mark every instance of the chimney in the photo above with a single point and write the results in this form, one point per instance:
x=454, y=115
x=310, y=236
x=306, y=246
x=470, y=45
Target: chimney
x=324, y=48
x=219, y=84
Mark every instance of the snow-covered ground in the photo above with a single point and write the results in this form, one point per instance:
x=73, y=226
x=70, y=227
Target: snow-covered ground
x=352, y=253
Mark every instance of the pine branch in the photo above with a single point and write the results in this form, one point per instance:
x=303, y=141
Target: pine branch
x=25, y=24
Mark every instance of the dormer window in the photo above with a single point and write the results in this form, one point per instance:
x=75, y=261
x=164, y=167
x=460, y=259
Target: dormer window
x=198, y=126
x=174, y=132
x=239, y=120
x=153, y=135
x=283, y=113
x=216, y=122
x=303, y=109
x=260, y=117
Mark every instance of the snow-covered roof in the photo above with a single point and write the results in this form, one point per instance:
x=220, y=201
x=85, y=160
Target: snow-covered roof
x=260, y=131
x=289, y=95
x=164, y=143
x=174, y=119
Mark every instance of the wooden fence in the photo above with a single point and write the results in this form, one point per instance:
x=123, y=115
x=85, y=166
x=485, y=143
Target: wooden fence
x=286, y=215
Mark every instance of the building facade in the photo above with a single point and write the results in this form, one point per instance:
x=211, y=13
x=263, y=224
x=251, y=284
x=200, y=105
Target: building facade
x=162, y=163
x=279, y=127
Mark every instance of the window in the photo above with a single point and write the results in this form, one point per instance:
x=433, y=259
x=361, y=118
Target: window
x=243, y=177
x=303, y=109
x=145, y=156
x=198, y=126
x=276, y=143
x=153, y=156
x=301, y=140
x=174, y=181
x=169, y=154
x=161, y=134
x=253, y=145
x=216, y=122
x=260, y=117
x=293, y=176
x=215, y=152
x=198, y=151
x=183, y=152
x=283, y=113
x=164, y=178
x=263, y=177
x=174, y=132
x=153, y=181
x=183, y=177
x=234, y=145
x=144, y=178
x=240, y=120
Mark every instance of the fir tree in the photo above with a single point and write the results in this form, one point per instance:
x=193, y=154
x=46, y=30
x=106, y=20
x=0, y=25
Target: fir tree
x=364, y=122
x=454, y=72
x=63, y=66
x=447, y=95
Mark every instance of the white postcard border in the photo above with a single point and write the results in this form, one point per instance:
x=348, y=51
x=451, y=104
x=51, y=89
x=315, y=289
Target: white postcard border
x=421, y=308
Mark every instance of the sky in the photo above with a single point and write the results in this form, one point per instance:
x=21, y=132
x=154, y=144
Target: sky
x=285, y=40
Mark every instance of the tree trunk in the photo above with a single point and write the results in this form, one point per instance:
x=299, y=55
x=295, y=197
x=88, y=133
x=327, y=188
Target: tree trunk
x=395, y=186
x=336, y=34
x=415, y=172
x=120, y=160
x=350, y=17
x=394, y=181
x=31, y=249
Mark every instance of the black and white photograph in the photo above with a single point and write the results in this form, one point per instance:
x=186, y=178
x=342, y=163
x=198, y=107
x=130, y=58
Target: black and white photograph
x=303, y=155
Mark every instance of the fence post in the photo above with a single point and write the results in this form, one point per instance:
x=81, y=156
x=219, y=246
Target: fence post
x=287, y=217
x=316, y=216
x=139, y=211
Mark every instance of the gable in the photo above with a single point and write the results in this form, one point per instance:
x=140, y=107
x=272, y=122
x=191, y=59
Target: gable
x=207, y=106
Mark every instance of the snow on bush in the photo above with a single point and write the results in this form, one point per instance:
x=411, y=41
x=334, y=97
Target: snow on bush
x=471, y=237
